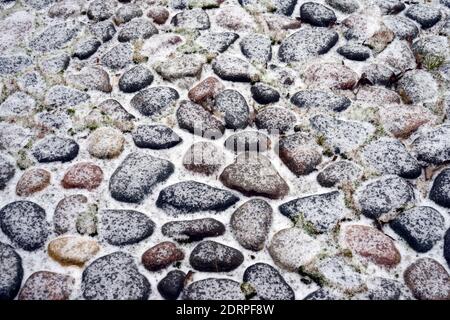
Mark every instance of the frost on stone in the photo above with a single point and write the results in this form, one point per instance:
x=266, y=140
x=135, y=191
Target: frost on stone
x=25, y=224
x=251, y=224
x=421, y=227
x=267, y=282
x=307, y=43
x=62, y=96
x=390, y=156
x=17, y=104
x=124, y=227
x=193, y=230
x=11, y=272
x=137, y=175
x=335, y=271
x=398, y=56
x=55, y=37
x=114, y=277
x=14, y=63
x=217, y=41
x=254, y=175
x=428, y=280
x=55, y=148
x=342, y=135
x=385, y=195
x=192, y=196
x=213, y=289
x=181, y=67
x=317, y=213
x=432, y=146
x=339, y=172
x=292, y=248
x=154, y=101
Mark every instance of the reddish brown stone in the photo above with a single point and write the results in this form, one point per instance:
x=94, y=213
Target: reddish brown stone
x=161, y=256
x=298, y=154
x=403, y=120
x=205, y=91
x=84, y=175
x=370, y=243
x=428, y=280
x=45, y=285
x=32, y=181
x=158, y=14
x=377, y=95
x=330, y=75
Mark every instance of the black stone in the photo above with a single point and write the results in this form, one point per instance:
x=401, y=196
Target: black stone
x=55, y=37
x=338, y=172
x=213, y=289
x=25, y=224
x=307, y=43
x=275, y=119
x=390, y=6
x=383, y=195
x=320, y=99
x=127, y=13
x=427, y=16
x=263, y=94
x=100, y=10
x=346, y=6
x=55, y=149
x=231, y=68
x=10, y=64
x=232, y=105
x=124, y=227
x=354, y=52
x=257, y=48
x=211, y=256
x=155, y=137
x=317, y=14
x=136, y=29
x=421, y=227
x=103, y=30
x=386, y=289
x=86, y=49
x=447, y=246
x=172, y=284
x=155, y=100
x=114, y=277
x=195, y=119
x=322, y=294
x=268, y=282
x=135, y=79
x=380, y=74
x=192, y=196
x=403, y=28
x=137, y=175
x=192, y=19
x=118, y=57
x=186, y=231
x=7, y=171
x=390, y=156
x=322, y=212
x=11, y=272
x=440, y=191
